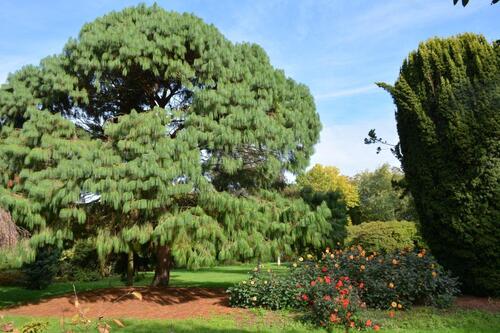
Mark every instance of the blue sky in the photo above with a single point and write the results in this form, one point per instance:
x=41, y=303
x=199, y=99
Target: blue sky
x=339, y=48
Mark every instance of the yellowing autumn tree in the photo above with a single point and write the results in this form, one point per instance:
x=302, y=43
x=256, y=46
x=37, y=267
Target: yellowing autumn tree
x=328, y=178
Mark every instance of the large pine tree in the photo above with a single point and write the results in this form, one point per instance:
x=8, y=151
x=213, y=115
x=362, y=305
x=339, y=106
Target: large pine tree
x=152, y=128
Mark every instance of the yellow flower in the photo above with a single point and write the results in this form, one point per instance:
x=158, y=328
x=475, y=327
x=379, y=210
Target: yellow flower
x=269, y=270
x=252, y=282
x=294, y=264
x=255, y=269
x=336, y=265
x=254, y=298
x=394, y=304
x=362, y=267
x=327, y=250
x=434, y=274
x=400, y=306
x=301, y=259
x=265, y=281
x=332, y=256
x=309, y=256
x=391, y=285
x=394, y=262
x=244, y=282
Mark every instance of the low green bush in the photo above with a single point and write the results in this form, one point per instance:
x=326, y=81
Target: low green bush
x=40, y=273
x=385, y=236
x=265, y=289
x=86, y=275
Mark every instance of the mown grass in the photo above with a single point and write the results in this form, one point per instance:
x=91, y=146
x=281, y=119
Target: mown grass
x=216, y=277
x=419, y=320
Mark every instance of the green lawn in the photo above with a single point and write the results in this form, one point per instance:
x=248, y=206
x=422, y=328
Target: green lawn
x=421, y=320
x=220, y=277
x=418, y=320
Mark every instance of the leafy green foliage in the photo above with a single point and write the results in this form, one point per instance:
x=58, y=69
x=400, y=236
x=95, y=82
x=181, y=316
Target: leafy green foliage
x=385, y=236
x=40, y=273
x=328, y=179
x=385, y=281
x=447, y=98
x=334, y=200
x=380, y=197
x=265, y=288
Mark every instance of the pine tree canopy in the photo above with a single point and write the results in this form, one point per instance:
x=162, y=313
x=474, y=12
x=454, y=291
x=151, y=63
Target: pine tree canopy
x=180, y=134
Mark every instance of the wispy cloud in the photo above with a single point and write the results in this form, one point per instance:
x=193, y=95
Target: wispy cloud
x=346, y=92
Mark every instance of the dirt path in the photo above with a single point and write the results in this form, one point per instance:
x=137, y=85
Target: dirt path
x=164, y=303
x=156, y=303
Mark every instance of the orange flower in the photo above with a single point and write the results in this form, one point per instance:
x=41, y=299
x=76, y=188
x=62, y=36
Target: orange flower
x=391, y=285
x=434, y=274
x=394, y=262
x=334, y=318
x=400, y=306
x=362, y=267
x=420, y=254
x=376, y=327
x=352, y=324
x=368, y=323
x=391, y=314
x=345, y=303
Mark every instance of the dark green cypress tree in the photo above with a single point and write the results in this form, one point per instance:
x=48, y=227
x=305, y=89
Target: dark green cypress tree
x=172, y=131
x=448, y=118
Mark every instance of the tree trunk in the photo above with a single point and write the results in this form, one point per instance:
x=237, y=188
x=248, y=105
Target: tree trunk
x=130, y=268
x=163, y=266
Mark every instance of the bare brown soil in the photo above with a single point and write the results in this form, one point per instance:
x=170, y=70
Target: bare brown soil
x=165, y=303
x=156, y=303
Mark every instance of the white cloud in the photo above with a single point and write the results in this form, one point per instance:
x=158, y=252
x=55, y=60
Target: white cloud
x=342, y=146
x=346, y=92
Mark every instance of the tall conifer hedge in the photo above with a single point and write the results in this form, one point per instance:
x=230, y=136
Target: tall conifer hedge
x=448, y=118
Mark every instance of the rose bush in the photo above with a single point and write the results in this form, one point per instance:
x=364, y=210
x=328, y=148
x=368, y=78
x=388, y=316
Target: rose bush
x=333, y=302
x=265, y=289
x=396, y=280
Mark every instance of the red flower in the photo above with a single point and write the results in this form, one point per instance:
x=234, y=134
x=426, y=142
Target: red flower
x=305, y=297
x=334, y=318
x=328, y=280
x=345, y=303
x=352, y=324
x=376, y=328
x=344, y=292
x=324, y=269
x=327, y=298
x=368, y=323
x=313, y=283
x=339, y=284
x=361, y=285
x=391, y=314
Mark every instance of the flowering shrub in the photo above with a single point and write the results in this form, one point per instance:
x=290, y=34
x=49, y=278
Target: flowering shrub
x=265, y=289
x=385, y=281
x=331, y=302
